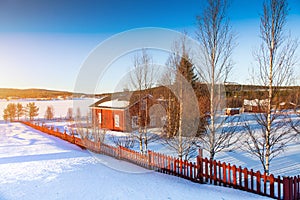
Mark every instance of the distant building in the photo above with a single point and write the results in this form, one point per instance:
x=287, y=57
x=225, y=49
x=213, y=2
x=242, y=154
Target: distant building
x=255, y=105
x=232, y=111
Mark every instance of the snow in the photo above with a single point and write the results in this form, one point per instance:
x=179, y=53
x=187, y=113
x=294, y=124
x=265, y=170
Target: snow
x=34, y=165
x=255, y=102
x=114, y=104
x=287, y=164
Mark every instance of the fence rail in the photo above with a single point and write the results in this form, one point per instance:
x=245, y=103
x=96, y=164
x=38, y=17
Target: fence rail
x=203, y=171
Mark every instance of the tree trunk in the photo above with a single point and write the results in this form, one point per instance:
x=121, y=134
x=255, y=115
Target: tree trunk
x=270, y=97
x=212, y=109
x=169, y=115
x=140, y=121
x=145, y=127
x=180, y=150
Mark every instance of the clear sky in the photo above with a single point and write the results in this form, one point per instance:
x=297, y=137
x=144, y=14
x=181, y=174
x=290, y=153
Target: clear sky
x=43, y=43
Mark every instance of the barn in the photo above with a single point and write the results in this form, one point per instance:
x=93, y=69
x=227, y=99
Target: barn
x=121, y=112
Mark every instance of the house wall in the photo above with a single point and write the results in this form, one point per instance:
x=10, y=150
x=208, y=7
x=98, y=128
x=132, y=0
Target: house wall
x=110, y=118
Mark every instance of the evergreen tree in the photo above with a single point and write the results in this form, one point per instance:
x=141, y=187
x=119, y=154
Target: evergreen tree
x=187, y=70
x=10, y=112
x=20, y=110
x=32, y=110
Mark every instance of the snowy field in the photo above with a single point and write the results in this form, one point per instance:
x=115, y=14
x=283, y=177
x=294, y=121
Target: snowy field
x=286, y=164
x=34, y=165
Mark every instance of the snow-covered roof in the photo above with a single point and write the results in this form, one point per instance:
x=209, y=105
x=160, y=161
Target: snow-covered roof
x=285, y=103
x=255, y=102
x=114, y=104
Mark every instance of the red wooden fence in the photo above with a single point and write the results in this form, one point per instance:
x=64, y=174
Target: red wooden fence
x=203, y=171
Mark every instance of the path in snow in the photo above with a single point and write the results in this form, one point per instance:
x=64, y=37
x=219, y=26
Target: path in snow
x=34, y=165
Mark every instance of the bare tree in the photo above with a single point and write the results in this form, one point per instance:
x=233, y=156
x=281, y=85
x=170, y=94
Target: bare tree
x=78, y=115
x=182, y=111
x=142, y=79
x=98, y=133
x=217, y=42
x=69, y=115
x=49, y=114
x=275, y=59
x=80, y=127
x=127, y=141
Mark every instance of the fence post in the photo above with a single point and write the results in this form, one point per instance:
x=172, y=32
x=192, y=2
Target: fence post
x=286, y=188
x=295, y=188
x=252, y=180
x=119, y=152
x=224, y=174
x=215, y=172
x=279, y=187
x=265, y=183
x=245, y=172
x=234, y=176
x=149, y=159
x=272, y=185
x=258, y=182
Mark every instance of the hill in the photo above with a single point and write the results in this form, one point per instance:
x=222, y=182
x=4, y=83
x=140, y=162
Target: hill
x=10, y=93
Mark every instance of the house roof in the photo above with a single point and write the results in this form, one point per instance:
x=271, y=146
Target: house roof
x=255, y=102
x=116, y=103
x=287, y=103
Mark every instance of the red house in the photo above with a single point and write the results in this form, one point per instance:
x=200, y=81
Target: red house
x=119, y=114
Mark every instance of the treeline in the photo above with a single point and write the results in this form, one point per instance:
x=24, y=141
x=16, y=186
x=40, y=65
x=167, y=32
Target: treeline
x=14, y=111
x=235, y=94
x=6, y=93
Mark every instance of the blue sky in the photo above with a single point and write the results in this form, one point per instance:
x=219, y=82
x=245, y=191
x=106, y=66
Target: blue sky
x=43, y=43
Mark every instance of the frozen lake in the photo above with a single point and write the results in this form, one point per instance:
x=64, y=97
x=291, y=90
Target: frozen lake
x=60, y=106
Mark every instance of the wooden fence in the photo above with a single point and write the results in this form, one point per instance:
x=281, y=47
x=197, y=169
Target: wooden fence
x=203, y=171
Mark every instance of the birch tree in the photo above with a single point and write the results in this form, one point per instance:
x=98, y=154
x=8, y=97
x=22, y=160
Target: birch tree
x=142, y=78
x=217, y=42
x=182, y=112
x=275, y=60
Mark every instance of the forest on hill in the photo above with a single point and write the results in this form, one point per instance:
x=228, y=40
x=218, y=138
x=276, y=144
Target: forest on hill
x=9, y=93
x=235, y=94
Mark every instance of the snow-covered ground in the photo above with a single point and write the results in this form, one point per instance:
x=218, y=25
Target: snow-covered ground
x=34, y=165
x=287, y=164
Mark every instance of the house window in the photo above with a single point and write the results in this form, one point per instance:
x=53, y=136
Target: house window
x=100, y=117
x=134, y=122
x=117, y=121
